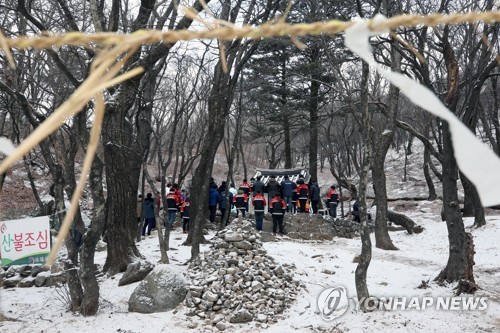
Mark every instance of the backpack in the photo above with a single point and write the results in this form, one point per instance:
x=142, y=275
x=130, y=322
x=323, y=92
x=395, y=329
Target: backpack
x=303, y=192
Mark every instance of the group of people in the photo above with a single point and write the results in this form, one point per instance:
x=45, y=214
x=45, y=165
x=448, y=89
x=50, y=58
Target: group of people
x=176, y=201
x=282, y=198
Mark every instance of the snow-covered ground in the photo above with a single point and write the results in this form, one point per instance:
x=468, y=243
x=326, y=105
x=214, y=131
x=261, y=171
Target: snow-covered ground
x=391, y=273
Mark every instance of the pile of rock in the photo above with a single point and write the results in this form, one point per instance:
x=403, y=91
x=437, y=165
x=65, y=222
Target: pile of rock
x=26, y=276
x=236, y=281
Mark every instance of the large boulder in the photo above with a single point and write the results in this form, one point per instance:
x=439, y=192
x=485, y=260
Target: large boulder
x=162, y=290
x=136, y=271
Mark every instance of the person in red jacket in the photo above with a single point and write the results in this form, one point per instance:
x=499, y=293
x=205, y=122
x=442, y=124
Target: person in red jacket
x=303, y=192
x=240, y=201
x=332, y=202
x=259, y=204
x=278, y=209
x=173, y=204
x=177, y=191
x=247, y=188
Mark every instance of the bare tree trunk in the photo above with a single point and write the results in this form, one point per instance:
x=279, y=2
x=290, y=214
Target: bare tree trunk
x=90, y=301
x=33, y=186
x=218, y=109
x=428, y=178
x=366, y=244
x=122, y=184
x=382, y=238
x=285, y=114
x=458, y=259
x=472, y=202
x=313, y=117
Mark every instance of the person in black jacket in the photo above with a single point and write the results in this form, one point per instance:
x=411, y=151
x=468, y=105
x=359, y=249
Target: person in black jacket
x=287, y=187
x=315, y=196
x=149, y=214
x=273, y=188
x=278, y=209
x=185, y=216
x=258, y=186
x=355, y=212
x=224, y=204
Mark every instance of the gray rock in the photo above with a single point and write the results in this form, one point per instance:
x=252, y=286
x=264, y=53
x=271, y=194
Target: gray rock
x=11, y=272
x=41, y=278
x=135, y=272
x=256, y=286
x=232, y=262
x=221, y=326
x=192, y=325
x=245, y=245
x=209, y=296
x=261, y=317
x=162, y=290
x=25, y=270
x=242, y=316
x=278, y=270
x=54, y=280
x=12, y=281
x=37, y=269
x=233, y=237
x=27, y=282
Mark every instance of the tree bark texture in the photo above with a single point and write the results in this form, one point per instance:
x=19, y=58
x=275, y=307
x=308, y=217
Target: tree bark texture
x=313, y=116
x=458, y=260
x=366, y=245
x=382, y=238
x=90, y=302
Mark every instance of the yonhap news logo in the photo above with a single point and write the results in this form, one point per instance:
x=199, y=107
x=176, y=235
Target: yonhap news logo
x=333, y=303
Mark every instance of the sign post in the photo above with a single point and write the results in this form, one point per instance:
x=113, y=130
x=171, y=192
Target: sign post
x=25, y=242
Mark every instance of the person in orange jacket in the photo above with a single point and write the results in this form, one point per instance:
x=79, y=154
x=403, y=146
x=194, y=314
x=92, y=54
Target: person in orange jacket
x=247, y=188
x=303, y=192
x=333, y=200
x=240, y=200
x=173, y=204
x=259, y=204
x=278, y=209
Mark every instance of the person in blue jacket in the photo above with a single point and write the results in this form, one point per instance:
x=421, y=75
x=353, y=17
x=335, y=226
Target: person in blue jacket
x=213, y=200
x=287, y=187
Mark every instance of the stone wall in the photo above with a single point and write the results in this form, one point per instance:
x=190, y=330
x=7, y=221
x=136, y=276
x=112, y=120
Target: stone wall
x=316, y=227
